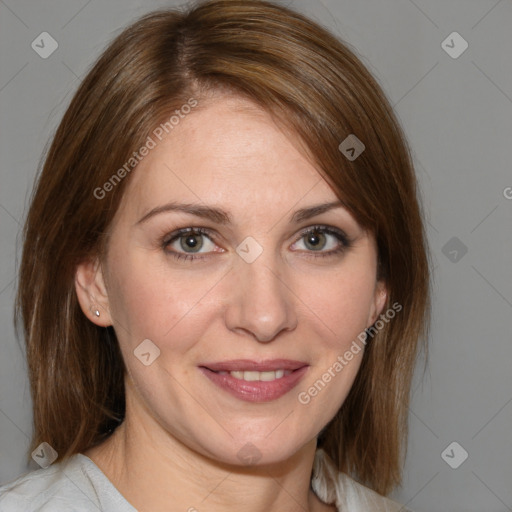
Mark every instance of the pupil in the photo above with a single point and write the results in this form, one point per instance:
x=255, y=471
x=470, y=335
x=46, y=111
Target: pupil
x=315, y=240
x=191, y=242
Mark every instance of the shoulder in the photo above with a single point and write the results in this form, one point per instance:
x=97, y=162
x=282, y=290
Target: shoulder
x=333, y=486
x=54, y=488
x=74, y=484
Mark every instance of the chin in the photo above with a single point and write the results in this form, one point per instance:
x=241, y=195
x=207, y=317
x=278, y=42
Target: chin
x=260, y=450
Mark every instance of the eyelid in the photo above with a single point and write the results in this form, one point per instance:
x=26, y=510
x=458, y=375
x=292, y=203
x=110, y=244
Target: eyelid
x=345, y=241
x=177, y=233
x=323, y=228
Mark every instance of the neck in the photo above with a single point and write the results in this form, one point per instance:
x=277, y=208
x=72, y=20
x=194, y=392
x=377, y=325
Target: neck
x=165, y=474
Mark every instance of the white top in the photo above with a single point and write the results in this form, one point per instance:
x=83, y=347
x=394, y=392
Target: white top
x=78, y=485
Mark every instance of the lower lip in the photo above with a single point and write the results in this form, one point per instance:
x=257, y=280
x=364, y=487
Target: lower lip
x=256, y=391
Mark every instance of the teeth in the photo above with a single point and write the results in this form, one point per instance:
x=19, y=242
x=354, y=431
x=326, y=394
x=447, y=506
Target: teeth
x=252, y=376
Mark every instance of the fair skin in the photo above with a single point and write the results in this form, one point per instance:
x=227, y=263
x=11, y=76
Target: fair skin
x=304, y=298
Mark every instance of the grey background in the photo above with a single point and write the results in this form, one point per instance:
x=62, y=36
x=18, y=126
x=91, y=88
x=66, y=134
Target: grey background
x=457, y=114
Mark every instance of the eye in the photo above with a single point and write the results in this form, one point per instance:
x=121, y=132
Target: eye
x=324, y=240
x=188, y=242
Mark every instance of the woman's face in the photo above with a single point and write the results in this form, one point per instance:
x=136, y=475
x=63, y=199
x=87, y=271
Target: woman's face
x=229, y=252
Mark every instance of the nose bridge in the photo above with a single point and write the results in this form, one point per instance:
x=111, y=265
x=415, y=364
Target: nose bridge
x=261, y=301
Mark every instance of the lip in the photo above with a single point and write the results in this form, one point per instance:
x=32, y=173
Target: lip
x=255, y=391
x=268, y=365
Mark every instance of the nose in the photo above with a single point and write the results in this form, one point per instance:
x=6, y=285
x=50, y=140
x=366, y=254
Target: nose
x=261, y=302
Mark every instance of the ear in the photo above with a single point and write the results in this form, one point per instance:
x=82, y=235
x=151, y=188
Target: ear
x=380, y=297
x=92, y=292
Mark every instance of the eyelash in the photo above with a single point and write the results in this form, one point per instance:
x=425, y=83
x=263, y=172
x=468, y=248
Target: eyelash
x=345, y=242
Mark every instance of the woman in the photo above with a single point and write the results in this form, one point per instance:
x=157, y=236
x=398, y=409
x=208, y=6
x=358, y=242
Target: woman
x=224, y=277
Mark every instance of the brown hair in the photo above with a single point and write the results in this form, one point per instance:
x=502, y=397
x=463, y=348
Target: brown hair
x=317, y=86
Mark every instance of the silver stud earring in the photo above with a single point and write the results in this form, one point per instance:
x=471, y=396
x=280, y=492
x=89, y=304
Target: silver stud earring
x=95, y=311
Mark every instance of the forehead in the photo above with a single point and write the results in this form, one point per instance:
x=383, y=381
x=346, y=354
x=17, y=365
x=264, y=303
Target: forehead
x=228, y=152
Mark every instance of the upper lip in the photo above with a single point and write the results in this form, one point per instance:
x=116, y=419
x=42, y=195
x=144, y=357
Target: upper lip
x=257, y=366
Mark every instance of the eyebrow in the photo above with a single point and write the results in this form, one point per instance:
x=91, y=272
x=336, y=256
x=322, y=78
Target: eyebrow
x=222, y=217
x=206, y=212
x=313, y=211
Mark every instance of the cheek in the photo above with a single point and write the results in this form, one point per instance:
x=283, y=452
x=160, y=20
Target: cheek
x=341, y=302
x=147, y=302
x=340, y=307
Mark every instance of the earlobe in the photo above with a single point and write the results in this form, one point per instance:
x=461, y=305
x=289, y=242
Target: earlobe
x=379, y=301
x=95, y=311
x=92, y=293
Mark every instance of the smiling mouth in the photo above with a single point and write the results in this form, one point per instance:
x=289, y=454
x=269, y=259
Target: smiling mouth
x=255, y=381
x=253, y=376
x=251, y=370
